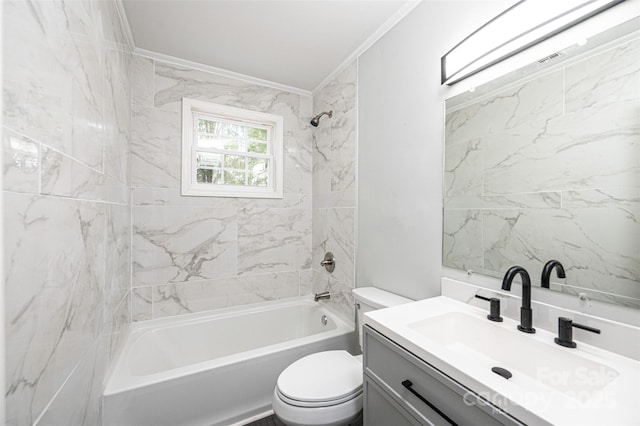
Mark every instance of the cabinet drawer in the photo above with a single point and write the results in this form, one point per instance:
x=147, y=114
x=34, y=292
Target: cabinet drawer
x=390, y=365
x=382, y=410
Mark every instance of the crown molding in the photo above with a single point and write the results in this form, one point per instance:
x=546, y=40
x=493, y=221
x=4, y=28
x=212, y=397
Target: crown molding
x=219, y=71
x=125, y=24
x=391, y=22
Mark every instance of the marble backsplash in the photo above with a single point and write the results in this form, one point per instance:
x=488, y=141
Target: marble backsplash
x=65, y=136
x=196, y=253
x=334, y=189
x=550, y=169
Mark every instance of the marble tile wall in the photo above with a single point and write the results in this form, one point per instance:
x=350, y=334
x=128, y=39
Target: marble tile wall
x=65, y=140
x=196, y=253
x=334, y=189
x=551, y=169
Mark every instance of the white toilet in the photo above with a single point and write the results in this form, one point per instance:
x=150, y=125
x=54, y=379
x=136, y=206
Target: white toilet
x=325, y=388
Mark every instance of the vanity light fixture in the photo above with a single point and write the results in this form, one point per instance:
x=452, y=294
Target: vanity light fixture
x=525, y=24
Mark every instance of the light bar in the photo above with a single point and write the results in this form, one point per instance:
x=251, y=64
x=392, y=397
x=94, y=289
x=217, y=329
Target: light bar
x=523, y=25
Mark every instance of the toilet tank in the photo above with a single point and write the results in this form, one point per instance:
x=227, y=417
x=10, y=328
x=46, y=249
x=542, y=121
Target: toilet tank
x=372, y=298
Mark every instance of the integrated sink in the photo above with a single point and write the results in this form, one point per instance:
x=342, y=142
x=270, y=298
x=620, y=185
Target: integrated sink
x=489, y=345
x=525, y=375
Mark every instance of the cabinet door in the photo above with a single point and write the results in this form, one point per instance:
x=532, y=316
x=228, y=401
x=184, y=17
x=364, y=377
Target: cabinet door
x=381, y=410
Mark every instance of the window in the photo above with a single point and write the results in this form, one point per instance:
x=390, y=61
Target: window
x=230, y=152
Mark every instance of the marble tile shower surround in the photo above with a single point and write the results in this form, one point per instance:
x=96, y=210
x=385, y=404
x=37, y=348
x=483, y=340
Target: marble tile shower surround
x=551, y=169
x=65, y=137
x=196, y=253
x=91, y=142
x=334, y=189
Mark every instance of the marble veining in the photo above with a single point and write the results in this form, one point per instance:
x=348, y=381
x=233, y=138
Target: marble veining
x=186, y=249
x=155, y=147
x=334, y=189
x=181, y=298
x=141, y=303
x=341, y=299
x=271, y=240
x=142, y=81
x=117, y=110
x=175, y=244
x=89, y=129
x=336, y=137
x=611, y=76
x=66, y=109
x=172, y=197
x=55, y=310
x=550, y=168
x=117, y=258
x=462, y=239
x=334, y=231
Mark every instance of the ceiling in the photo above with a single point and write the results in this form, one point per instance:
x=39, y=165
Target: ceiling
x=297, y=43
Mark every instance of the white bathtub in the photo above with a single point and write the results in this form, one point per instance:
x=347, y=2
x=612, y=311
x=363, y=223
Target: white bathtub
x=218, y=367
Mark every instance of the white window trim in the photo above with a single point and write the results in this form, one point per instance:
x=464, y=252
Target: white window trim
x=189, y=184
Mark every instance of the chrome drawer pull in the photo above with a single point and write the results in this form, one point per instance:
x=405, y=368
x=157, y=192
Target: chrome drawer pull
x=407, y=384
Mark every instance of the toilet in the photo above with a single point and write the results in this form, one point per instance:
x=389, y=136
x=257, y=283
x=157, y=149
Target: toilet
x=325, y=388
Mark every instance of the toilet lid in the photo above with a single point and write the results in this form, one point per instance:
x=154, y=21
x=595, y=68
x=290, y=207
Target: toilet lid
x=322, y=377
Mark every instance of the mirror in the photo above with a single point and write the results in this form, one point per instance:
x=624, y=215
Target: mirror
x=544, y=163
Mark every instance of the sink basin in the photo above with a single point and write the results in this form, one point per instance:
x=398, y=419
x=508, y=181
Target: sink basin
x=549, y=384
x=487, y=344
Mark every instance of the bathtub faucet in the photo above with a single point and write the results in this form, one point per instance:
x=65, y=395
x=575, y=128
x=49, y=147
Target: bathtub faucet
x=325, y=295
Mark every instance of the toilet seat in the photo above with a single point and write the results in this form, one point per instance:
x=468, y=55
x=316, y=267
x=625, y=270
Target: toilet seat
x=321, y=379
x=334, y=415
x=307, y=404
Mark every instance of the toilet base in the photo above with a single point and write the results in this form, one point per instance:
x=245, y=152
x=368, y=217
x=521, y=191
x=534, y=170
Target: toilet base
x=355, y=422
x=346, y=414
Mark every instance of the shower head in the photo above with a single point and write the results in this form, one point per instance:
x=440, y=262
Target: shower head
x=316, y=120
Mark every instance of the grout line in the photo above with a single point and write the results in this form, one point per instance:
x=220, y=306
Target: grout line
x=61, y=197
x=153, y=83
x=131, y=254
x=39, y=167
x=49, y=147
x=46, y=407
x=129, y=175
x=564, y=90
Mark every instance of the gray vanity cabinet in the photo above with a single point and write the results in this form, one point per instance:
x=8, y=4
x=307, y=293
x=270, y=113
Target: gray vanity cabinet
x=381, y=409
x=402, y=389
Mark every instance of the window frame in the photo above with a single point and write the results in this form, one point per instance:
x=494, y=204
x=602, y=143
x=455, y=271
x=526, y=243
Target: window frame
x=191, y=109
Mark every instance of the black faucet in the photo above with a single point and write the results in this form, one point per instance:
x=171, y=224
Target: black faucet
x=548, y=268
x=526, y=314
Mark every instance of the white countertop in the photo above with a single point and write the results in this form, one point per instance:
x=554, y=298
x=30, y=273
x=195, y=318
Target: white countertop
x=617, y=402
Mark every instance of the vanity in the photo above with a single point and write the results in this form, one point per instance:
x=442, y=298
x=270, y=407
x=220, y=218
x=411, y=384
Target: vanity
x=440, y=361
x=428, y=397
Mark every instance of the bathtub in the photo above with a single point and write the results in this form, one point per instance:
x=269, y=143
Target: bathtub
x=218, y=367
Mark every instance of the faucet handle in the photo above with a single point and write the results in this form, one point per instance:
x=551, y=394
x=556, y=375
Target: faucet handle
x=329, y=262
x=494, y=308
x=565, y=332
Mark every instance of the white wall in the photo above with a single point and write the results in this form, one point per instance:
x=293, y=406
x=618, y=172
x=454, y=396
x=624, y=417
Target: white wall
x=400, y=125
